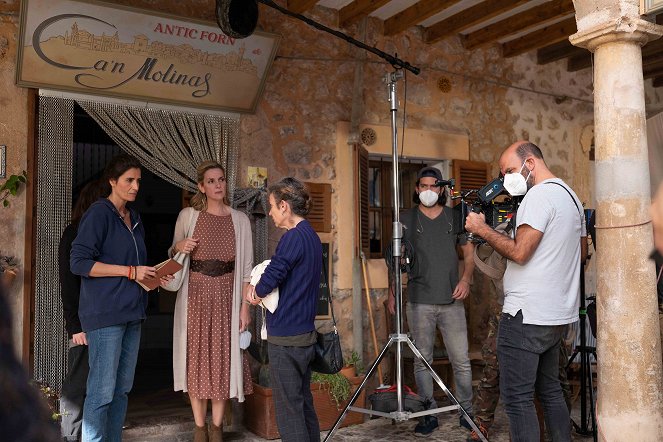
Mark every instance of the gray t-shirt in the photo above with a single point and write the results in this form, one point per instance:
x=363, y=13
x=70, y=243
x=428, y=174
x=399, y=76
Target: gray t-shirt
x=434, y=273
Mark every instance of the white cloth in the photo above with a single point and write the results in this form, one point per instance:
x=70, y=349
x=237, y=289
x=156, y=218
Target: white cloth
x=271, y=301
x=547, y=287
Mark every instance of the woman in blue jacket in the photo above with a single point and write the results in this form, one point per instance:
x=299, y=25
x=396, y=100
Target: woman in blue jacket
x=109, y=254
x=295, y=269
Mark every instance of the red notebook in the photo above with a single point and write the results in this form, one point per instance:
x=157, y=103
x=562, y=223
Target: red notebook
x=168, y=267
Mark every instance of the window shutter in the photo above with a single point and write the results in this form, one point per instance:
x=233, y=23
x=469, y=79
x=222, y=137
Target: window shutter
x=470, y=174
x=320, y=214
x=362, y=232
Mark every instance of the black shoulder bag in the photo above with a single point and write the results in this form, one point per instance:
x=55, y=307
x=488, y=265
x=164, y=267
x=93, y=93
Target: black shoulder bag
x=328, y=355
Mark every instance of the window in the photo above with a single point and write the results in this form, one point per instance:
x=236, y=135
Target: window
x=375, y=198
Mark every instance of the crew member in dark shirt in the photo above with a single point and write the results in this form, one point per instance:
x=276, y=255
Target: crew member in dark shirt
x=295, y=269
x=73, y=387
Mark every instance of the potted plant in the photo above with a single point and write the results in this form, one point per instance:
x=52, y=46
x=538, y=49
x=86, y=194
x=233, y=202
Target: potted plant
x=353, y=365
x=330, y=394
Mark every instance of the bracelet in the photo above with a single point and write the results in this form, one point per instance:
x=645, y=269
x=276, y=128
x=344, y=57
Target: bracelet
x=135, y=269
x=129, y=273
x=246, y=302
x=466, y=281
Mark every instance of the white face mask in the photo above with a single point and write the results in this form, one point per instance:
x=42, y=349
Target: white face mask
x=428, y=198
x=516, y=183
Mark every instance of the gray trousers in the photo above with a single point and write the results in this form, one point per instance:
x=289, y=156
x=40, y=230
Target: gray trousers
x=290, y=378
x=422, y=320
x=73, y=393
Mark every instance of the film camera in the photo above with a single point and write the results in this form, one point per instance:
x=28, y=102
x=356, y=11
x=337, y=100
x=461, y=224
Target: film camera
x=483, y=201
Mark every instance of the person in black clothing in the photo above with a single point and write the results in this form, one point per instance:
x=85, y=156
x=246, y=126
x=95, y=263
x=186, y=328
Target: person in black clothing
x=73, y=387
x=24, y=416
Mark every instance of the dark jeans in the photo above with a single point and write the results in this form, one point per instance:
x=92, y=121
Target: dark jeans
x=73, y=393
x=290, y=377
x=529, y=360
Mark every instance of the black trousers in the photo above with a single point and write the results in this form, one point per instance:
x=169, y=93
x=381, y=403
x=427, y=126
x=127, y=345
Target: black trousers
x=73, y=393
x=290, y=377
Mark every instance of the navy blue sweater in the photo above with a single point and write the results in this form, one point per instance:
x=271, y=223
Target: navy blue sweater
x=104, y=237
x=295, y=269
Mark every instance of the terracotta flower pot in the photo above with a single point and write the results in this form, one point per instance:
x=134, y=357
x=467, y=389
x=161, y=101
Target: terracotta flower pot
x=349, y=371
x=260, y=415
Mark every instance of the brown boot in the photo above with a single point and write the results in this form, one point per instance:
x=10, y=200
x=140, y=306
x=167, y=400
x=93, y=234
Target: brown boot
x=200, y=434
x=216, y=433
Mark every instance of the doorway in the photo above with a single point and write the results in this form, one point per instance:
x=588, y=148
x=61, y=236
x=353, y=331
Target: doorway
x=158, y=203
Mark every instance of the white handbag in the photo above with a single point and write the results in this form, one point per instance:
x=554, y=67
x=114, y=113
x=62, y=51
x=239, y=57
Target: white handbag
x=183, y=258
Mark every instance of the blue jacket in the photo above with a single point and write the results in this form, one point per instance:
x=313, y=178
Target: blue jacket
x=104, y=237
x=295, y=269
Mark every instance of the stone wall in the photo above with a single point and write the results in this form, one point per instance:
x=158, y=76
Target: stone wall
x=311, y=87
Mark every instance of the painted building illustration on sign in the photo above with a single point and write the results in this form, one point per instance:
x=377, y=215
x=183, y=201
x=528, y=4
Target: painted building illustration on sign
x=147, y=57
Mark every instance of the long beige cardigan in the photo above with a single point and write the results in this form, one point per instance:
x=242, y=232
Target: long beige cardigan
x=243, y=266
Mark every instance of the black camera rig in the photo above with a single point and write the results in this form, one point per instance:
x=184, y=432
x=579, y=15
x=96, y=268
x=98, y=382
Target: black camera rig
x=483, y=201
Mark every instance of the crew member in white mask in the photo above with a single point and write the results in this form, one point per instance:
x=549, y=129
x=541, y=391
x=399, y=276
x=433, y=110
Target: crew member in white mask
x=435, y=291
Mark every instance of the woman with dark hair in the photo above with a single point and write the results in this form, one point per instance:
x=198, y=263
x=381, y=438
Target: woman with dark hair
x=109, y=255
x=295, y=269
x=209, y=313
x=73, y=386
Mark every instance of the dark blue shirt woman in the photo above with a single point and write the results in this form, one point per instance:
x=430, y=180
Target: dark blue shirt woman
x=295, y=269
x=109, y=255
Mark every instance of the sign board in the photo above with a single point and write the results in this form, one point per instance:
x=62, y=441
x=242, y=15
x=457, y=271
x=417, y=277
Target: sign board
x=650, y=6
x=97, y=48
x=323, y=311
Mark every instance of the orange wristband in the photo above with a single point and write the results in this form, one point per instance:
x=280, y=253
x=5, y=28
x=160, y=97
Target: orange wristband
x=129, y=274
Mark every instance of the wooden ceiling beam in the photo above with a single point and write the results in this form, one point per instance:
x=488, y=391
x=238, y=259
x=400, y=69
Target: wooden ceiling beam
x=301, y=6
x=583, y=61
x=517, y=23
x=414, y=15
x=541, y=37
x=469, y=17
x=558, y=51
x=579, y=62
x=658, y=81
x=357, y=9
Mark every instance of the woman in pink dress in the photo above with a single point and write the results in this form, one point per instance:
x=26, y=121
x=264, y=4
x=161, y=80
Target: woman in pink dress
x=209, y=313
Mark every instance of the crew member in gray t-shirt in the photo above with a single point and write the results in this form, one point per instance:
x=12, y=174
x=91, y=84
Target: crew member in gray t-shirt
x=436, y=291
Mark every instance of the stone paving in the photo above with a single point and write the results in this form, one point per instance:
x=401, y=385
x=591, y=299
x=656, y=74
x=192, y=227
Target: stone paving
x=375, y=429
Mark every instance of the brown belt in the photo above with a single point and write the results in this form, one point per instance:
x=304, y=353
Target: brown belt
x=212, y=267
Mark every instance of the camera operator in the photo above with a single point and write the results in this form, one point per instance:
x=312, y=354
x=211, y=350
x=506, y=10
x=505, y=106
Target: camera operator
x=541, y=288
x=435, y=292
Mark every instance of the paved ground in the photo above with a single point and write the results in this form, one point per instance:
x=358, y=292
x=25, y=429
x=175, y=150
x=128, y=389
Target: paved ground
x=372, y=430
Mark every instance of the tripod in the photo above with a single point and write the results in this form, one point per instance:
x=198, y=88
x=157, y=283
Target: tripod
x=399, y=338
x=586, y=380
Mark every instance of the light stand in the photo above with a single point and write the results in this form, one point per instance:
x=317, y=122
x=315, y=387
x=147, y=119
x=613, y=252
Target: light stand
x=586, y=379
x=399, y=338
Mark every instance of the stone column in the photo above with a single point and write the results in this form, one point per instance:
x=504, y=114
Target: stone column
x=629, y=405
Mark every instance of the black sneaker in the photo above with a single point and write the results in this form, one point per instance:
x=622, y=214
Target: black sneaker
x=463, y=423
x=426, y=426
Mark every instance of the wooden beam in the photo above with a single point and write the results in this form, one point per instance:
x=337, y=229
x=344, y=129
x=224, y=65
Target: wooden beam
x=301, y=6
x=469, y=17
x=357, y=9
x=653, y=69
x=579, y=62
x=658, y=82
x=539, y=38
x=558, y=51
x=518, y=23
x=415, y=14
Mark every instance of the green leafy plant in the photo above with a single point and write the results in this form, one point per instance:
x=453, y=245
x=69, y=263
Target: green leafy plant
x=355, y=360
x=51, y=398
x=338, y=386
x=8, y=264
x=11, y=186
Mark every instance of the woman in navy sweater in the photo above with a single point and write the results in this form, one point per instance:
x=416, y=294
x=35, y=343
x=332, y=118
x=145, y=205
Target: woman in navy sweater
x=295, y=269
x=109, y=255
